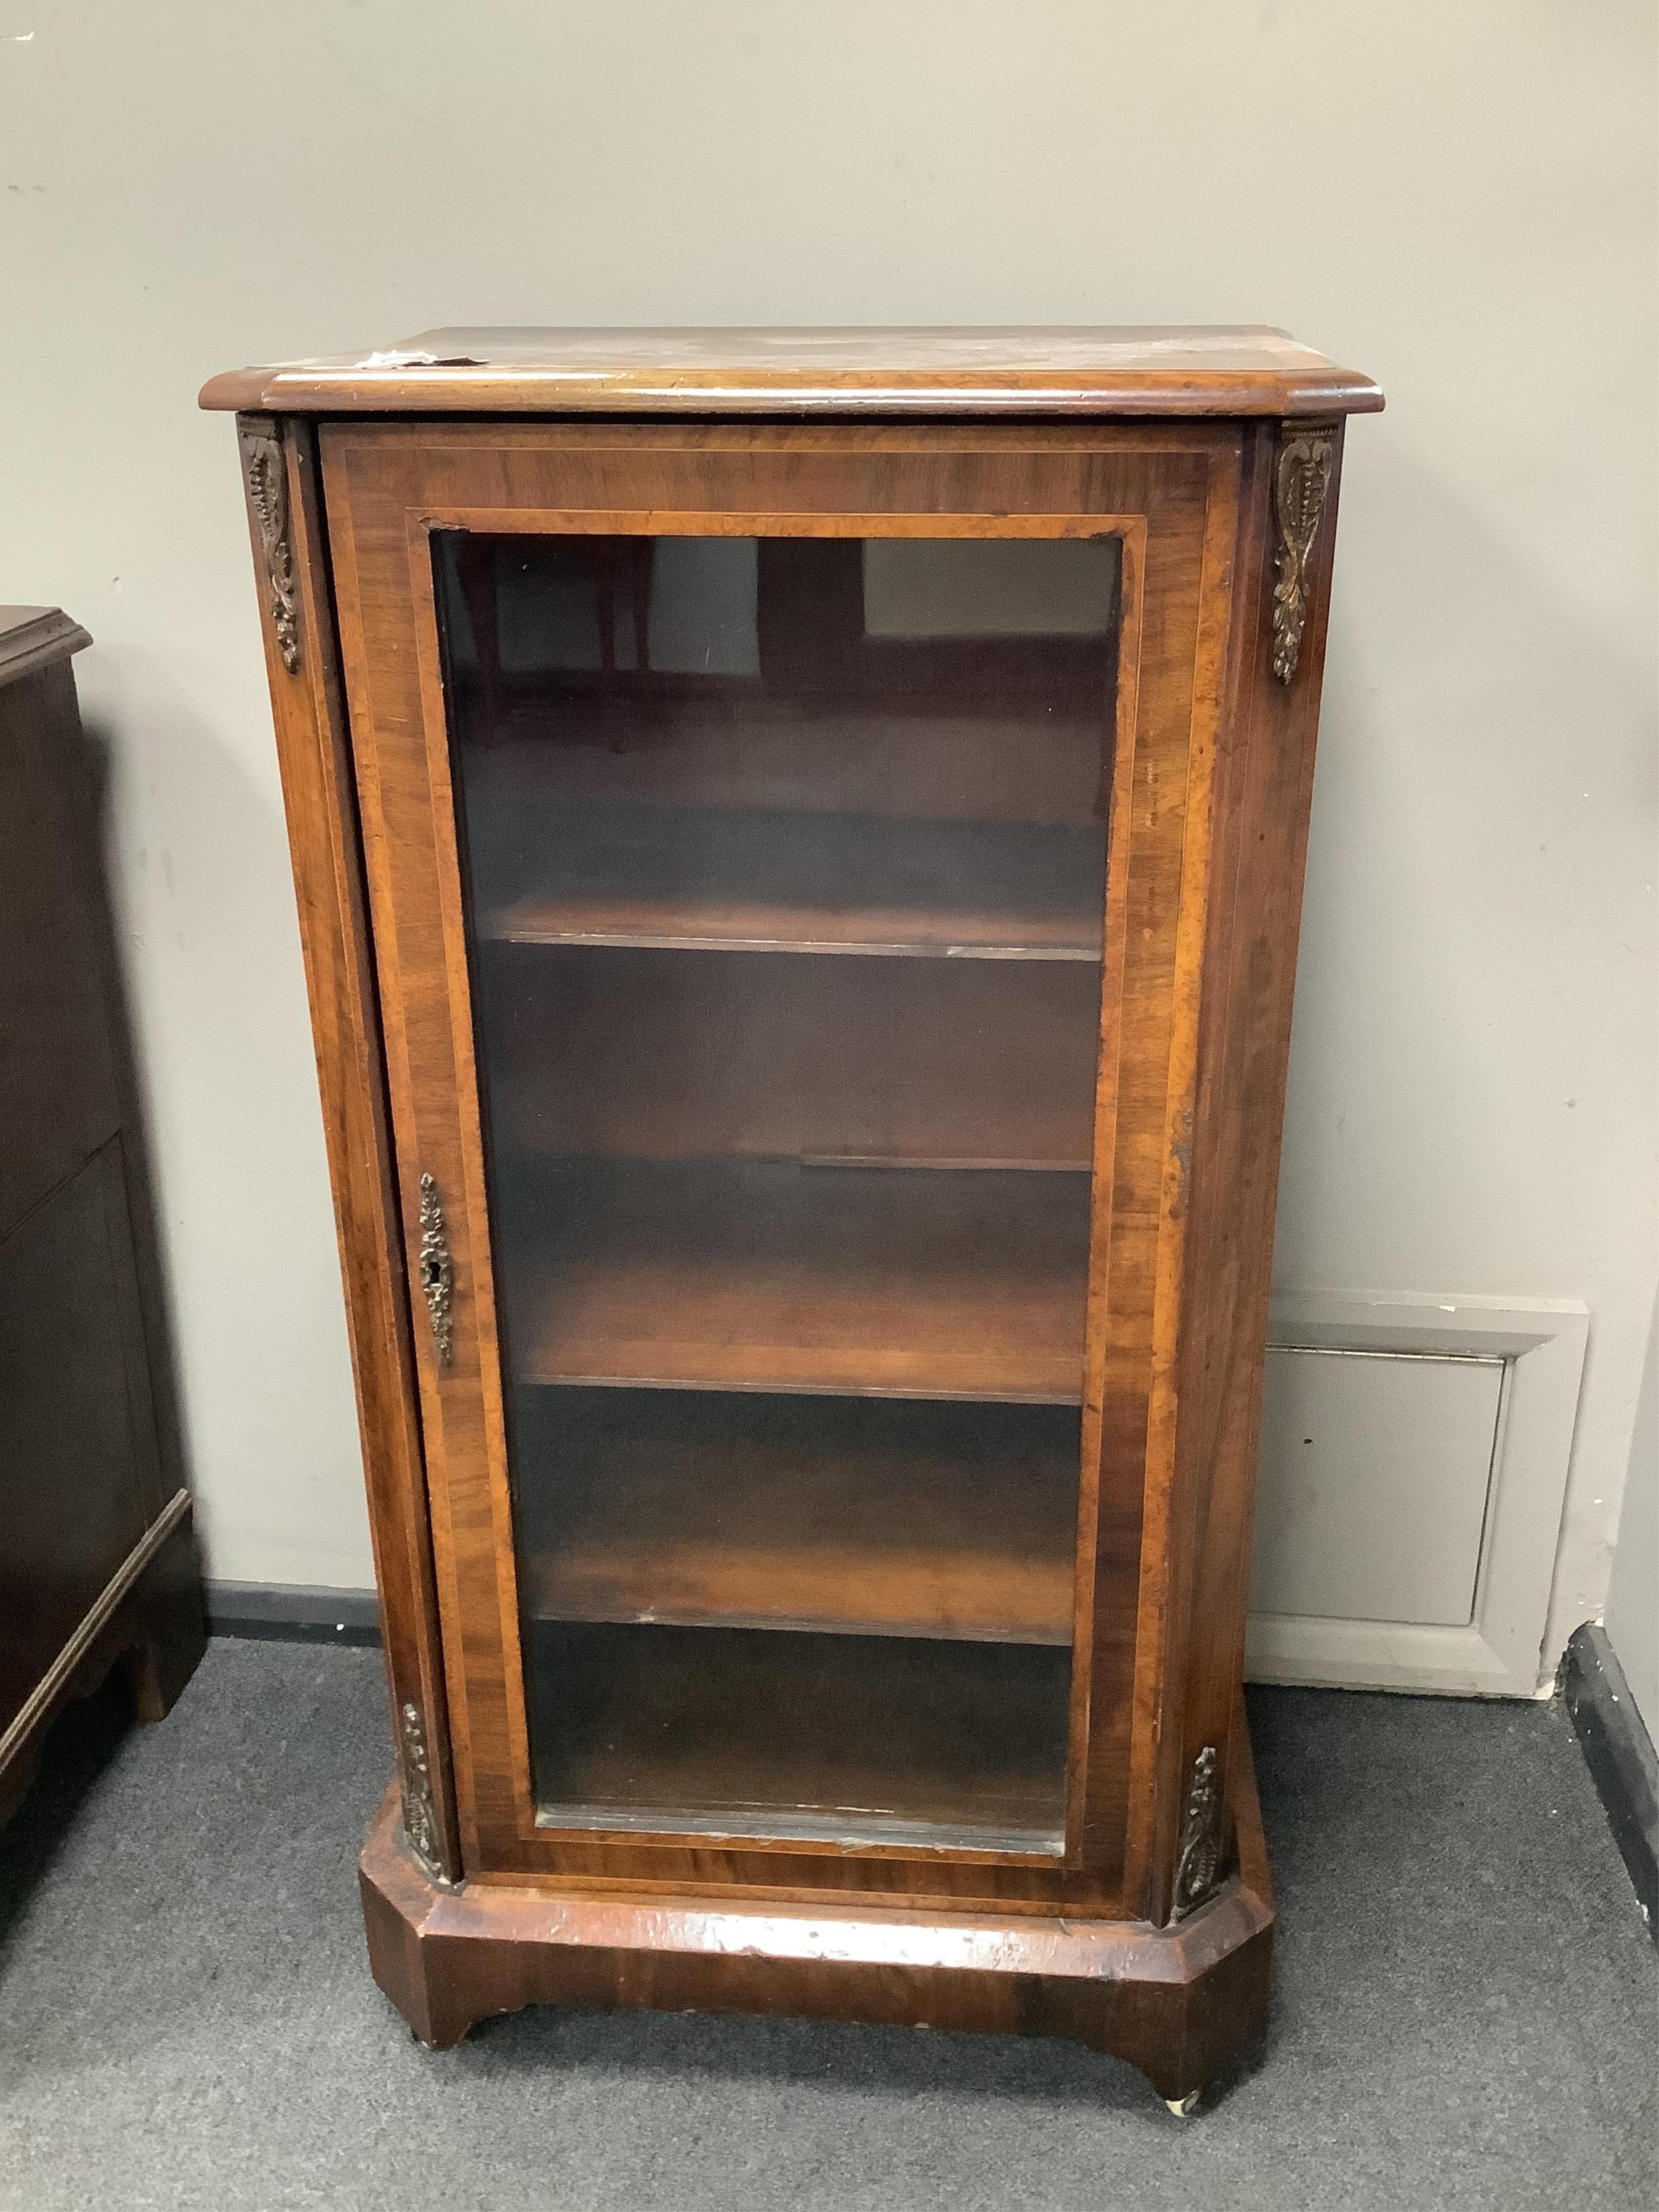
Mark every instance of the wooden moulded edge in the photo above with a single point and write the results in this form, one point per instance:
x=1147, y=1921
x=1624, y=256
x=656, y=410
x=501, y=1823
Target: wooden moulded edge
x=816, y=374
x=1177, y=2003
x=32, y=638
x=325, y=391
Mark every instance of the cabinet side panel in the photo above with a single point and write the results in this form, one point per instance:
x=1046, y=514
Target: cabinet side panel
x=312, y=747
x=72, y=1485
x=1258, y=852
x=59, y=1099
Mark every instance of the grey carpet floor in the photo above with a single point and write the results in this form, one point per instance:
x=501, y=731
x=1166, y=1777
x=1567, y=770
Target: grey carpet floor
x=1464, y=2014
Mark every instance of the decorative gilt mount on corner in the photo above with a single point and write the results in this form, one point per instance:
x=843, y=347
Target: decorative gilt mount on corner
x=1300, y=483
x=267, y=491
x=1199, y=1866
x=420, y=1821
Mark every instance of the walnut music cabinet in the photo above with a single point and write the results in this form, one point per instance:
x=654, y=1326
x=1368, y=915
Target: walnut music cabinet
x=799, y=838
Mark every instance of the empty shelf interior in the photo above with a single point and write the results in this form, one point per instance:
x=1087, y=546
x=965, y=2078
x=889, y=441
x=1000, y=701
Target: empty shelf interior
x=765, y=1275
x=898, y=1517
x=650, y=1054
x=564, y=872
x=739, y=1732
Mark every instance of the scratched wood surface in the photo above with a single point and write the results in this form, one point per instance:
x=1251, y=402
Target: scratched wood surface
x=1064, y=369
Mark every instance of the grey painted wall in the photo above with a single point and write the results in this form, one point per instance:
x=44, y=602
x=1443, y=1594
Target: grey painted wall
x=1456, y=195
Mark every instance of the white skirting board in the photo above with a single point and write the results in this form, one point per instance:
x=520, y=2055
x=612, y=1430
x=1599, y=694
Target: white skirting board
x=1414, y=1460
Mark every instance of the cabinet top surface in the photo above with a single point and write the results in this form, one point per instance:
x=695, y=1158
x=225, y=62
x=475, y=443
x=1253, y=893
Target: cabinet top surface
x=1056, y=369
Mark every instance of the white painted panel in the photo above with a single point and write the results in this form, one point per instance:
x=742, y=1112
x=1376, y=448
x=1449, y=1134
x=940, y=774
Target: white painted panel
x=1503, y=1649
x=1373, y=1480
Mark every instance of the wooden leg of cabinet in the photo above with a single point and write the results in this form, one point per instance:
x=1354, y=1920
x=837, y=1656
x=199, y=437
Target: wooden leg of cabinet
x=149, y=1621
x=168, y=1626
x=1179, y=2003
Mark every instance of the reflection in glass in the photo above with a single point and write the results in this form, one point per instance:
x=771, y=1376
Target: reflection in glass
x=785, y=865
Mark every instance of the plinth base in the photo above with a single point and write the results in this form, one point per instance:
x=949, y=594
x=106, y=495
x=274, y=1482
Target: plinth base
x=1176, y=2002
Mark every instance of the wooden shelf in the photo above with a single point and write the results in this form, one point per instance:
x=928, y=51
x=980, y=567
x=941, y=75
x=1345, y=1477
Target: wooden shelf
x=763, y=1275
x=644, y=1054
x=737, y=1732
x=759, y=880
x=853, y=1515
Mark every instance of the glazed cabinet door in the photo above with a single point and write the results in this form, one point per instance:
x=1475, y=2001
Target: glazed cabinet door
x=775, y=844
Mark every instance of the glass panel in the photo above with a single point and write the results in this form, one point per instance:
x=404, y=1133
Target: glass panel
x=785, y=866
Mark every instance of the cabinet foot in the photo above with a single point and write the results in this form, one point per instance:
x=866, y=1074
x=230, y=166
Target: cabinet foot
x=147, y=1622
x=1184, y=2107
x=170, y=1627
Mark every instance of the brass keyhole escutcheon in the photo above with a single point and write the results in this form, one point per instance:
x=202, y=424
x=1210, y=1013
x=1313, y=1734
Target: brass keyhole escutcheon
x=437, y=1271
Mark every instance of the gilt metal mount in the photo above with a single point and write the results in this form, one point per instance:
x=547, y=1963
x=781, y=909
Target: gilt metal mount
x=267, y=491
x=437, y=1271
x=1198, y=1869
x=420, y=1820
x=1301, y=481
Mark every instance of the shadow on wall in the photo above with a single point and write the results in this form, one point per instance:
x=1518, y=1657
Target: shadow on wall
x=153, y=1286
x=228, y=1077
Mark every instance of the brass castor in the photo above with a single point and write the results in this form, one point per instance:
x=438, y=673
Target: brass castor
x=1184, y=2107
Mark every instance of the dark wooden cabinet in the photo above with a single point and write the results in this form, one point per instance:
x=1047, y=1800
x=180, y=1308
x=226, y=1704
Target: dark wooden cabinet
x=97, y=1563
x=799, y=841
